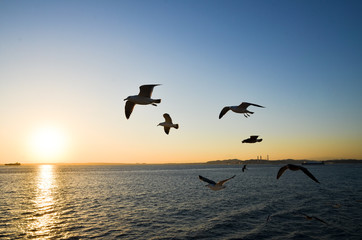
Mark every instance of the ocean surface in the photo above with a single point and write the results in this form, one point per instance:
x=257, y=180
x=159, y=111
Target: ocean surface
x=170, y=202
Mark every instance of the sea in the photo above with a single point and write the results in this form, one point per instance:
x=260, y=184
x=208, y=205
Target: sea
x=170, y=202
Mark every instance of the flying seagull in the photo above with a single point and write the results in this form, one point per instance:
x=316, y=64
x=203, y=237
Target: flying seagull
x=252, y=139
x=143, y=98
x=312, y=217
x=213, y=185
x=296, y=168
x=242, y=108
x=167, y=124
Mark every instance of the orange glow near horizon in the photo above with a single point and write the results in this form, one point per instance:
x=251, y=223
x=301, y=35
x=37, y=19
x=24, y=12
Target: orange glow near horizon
x=134, y=143
x=48, y=144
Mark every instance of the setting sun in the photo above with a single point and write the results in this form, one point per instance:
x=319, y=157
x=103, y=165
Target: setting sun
x=48, y=143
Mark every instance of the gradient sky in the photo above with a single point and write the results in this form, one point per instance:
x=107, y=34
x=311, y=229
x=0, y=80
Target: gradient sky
x=68, y=65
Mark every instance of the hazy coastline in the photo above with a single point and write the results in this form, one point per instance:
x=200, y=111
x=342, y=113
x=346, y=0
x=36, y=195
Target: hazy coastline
x=283, y=161
x=221, y=162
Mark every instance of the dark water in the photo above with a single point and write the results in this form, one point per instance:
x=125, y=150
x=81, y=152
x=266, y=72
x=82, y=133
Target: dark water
x=170, y=202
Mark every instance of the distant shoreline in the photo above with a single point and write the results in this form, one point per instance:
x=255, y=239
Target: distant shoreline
x=284, y=161
x=217, y=162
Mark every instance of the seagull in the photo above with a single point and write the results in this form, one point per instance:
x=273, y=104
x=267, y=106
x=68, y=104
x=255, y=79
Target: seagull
x=312, y=217
x=244, y=168
x=143, y=98
x=167, y=124
x=213, y=185
x=295, y=168
x=239, y=109
x=252, y=139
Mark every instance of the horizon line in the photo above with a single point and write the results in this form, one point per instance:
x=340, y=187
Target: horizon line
x=184, y=163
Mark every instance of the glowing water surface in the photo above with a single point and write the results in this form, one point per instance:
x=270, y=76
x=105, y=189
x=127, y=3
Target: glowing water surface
x=170, y=202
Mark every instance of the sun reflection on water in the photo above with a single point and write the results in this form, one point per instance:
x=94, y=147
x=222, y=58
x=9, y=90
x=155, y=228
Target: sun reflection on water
x=44, y=203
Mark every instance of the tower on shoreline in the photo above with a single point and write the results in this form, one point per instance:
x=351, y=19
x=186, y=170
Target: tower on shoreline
x=260, y=157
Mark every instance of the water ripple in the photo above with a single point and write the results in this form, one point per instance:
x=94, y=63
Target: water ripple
x=169, y=202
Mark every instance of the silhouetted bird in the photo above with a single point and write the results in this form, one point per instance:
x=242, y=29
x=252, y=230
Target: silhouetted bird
x=252, y=139
x=312, y=217
x=167, y=124
x=242, y=108
x=213, y=185
x=143, y=98
x=295, y=168
x=244, y=168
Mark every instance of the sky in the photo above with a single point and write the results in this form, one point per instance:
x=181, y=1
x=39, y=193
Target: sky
x=67, y=66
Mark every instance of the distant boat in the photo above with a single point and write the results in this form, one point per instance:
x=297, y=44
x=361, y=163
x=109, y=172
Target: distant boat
x=12, y=164
x=313, y=163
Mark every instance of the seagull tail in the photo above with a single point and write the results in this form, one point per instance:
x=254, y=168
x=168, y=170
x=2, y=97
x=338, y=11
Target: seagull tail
x=157, y=101
x=176, y=126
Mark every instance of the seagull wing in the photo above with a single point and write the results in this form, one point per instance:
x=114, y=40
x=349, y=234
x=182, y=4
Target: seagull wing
x=281, y=171
x=246, y=104
x=206, y=180
x=128, y=108
x=320, y=220
x=146, y=90
x=306, y=216
x=167, y=118
x=253, y=137
x=309, y=174
x=223, y=181
x=223, y=111
x=167, y=129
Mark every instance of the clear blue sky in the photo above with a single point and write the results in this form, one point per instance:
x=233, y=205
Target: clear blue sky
x=70, y=64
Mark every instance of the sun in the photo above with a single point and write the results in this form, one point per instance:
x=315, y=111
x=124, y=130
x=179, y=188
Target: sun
x=48, y=143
